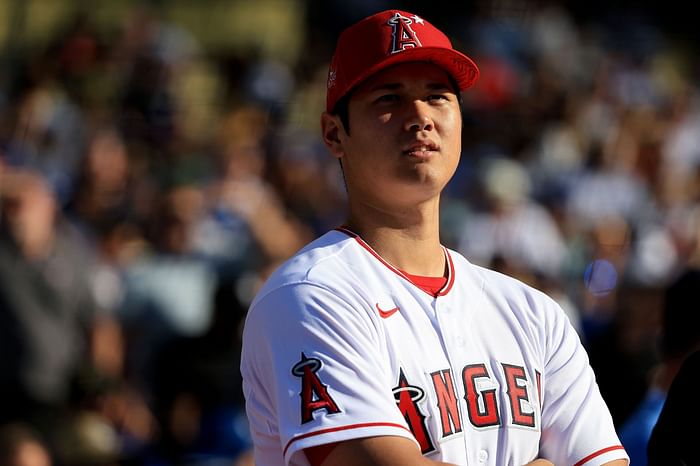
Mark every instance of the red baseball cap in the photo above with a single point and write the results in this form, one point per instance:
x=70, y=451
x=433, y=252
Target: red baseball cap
x=389, y=38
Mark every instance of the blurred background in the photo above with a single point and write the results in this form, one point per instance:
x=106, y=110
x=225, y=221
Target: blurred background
x=159, y=158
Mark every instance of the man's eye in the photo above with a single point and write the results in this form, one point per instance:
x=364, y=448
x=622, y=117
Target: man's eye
x=388, y=98
x=438, y=97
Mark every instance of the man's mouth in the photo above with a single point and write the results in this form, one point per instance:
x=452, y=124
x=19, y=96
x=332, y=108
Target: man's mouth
x=421, y=149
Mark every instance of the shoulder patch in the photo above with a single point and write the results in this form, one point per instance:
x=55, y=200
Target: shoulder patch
x=314, y=394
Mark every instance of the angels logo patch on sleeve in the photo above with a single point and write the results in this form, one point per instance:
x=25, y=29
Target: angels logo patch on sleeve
x=314, y=394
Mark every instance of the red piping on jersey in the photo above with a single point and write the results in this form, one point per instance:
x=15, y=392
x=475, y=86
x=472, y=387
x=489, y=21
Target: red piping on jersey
x=450, y=264
x=598, y=453
x=337, y=429
x=450, y=273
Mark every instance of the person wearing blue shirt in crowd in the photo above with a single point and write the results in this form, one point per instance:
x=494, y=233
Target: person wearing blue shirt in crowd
x=680, y=337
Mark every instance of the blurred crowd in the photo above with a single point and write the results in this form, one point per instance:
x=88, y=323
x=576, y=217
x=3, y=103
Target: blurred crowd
x=148, y=186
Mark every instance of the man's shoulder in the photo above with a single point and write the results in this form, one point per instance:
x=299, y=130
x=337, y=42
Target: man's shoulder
x=321, y=263
x=321, y=282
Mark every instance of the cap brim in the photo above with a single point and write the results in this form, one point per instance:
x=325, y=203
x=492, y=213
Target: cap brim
x=462, y=68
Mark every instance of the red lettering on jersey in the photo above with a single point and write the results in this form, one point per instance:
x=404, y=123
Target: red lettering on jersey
x=447, y=402
x=488, y=416
x=407, y=397
x=403, y=36
x=314, y=394
x=517, y=394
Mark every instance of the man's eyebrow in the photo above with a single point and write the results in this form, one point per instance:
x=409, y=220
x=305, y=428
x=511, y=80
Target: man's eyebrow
x=439, y=86
x=386, y=87
x=433, y=86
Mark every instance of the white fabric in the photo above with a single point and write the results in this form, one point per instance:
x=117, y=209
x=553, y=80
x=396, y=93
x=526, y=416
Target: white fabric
x=323, y=304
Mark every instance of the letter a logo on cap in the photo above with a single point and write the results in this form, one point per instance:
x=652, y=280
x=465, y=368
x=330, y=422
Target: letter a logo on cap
x=403, y=36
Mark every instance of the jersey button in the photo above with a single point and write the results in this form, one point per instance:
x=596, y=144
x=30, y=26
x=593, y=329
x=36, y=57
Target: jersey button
x=459, y=341
x=483, y=456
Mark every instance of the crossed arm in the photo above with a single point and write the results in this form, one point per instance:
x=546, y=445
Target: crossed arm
x=386, y=451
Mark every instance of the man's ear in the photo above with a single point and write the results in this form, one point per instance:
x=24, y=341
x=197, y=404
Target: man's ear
x=332, y=132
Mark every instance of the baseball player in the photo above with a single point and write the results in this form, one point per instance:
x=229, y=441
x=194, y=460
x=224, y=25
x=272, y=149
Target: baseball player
x=376, y=345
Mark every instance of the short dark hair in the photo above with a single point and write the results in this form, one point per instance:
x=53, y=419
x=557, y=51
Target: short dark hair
x=342, y=111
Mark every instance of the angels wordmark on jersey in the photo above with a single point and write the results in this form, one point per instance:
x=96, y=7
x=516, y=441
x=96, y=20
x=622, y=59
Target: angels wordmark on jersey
x=339, y=344
x=480, y=392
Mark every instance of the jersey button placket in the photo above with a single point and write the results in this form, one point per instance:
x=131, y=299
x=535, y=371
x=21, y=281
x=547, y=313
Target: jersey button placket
x=453, y=318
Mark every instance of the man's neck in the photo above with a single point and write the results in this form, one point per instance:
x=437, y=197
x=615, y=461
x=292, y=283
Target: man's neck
x=409, y=240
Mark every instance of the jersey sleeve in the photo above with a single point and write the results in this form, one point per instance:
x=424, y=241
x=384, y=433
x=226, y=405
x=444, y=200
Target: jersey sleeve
x=577, y=427
x=313, y=372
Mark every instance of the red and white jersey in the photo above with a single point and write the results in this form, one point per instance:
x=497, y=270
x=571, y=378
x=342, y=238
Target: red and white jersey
x=338, y=344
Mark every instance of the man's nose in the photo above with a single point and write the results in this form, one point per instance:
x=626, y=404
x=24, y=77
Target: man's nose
x=418, y=117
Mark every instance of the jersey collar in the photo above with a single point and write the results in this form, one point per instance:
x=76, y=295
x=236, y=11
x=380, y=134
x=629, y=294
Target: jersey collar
x=450, y=265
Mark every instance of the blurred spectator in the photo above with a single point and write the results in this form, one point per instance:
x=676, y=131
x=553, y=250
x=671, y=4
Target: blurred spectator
x=681, y=147
x=515, y=229
x=247, y=225
x=21, y=446
x=167, y=287
x=49, y=135
x=673, y=438
x=309, y=182
x=604, y=191
x=197, y=389
x=49, y=319
x=680, y=336
x=108, y=192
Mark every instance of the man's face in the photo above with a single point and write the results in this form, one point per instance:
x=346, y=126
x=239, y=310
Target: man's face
x=405, y=136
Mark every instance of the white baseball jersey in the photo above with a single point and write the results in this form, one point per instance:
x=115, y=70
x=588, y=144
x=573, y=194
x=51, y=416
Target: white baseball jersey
x=338, y=344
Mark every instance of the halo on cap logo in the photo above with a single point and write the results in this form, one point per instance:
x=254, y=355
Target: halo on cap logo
x=332, y=75
x=403, y=36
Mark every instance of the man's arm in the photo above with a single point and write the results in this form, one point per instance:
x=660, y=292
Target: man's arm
x=375, y=451
x=383, y=451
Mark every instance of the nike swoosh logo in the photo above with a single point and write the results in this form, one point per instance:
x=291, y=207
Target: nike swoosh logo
x=386, y=314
